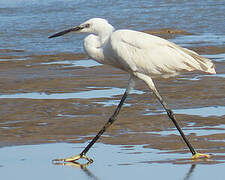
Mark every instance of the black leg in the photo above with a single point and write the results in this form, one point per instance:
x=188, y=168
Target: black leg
x=172, y=117
x=105, y=127
x=150, y=83
x=195, y=155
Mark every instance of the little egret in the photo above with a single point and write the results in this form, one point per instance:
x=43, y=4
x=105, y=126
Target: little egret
x=143, y=56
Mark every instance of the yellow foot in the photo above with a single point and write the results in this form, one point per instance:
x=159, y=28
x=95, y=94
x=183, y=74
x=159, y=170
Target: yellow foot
x=201, y=156
x=73, y=159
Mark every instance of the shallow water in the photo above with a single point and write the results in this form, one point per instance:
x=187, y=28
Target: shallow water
x=82, y=63
x=100, y=93
x=202, y=111
x=26, y=24
x=50, y=92
x=201, y=40
x=111, y=162
x=204, y=131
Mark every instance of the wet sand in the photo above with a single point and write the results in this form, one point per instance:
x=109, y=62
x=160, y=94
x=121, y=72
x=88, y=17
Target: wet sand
x=60, y=101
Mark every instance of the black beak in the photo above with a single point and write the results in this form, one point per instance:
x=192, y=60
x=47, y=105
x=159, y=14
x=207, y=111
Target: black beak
x=66, y=31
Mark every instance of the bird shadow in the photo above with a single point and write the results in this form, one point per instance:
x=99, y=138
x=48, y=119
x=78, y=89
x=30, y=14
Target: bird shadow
x=91, y=175
x=190, y=172
x=187, y=176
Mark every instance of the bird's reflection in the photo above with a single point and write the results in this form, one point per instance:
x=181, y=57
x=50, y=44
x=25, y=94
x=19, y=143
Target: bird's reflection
x=81, y=166
x=190, y=172
x=90, y=175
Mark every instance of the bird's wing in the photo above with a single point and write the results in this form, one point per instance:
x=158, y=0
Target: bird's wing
x=152, y=55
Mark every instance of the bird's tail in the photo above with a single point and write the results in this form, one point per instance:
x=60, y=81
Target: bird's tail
x=205, y=64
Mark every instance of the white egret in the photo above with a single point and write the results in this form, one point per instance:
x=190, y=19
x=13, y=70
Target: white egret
x=143, y=56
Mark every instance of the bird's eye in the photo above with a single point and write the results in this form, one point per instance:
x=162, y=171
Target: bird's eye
x=87, y=25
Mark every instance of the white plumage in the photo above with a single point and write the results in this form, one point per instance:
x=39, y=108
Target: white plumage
x=155, y=56
x=144, y=57
x=134, y=51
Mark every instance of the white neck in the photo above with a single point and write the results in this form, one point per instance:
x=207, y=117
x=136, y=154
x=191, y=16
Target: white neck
x=94, y=44
x=105, y=33
x=93, y=48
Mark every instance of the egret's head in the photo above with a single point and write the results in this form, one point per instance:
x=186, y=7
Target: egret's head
x=95, y=25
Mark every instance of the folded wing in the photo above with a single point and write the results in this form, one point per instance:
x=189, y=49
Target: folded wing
x=136, y=51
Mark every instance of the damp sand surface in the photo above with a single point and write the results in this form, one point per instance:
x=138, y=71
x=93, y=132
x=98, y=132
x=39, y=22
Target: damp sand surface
x=52, y=106
x=54, y=99
x=44, y=92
